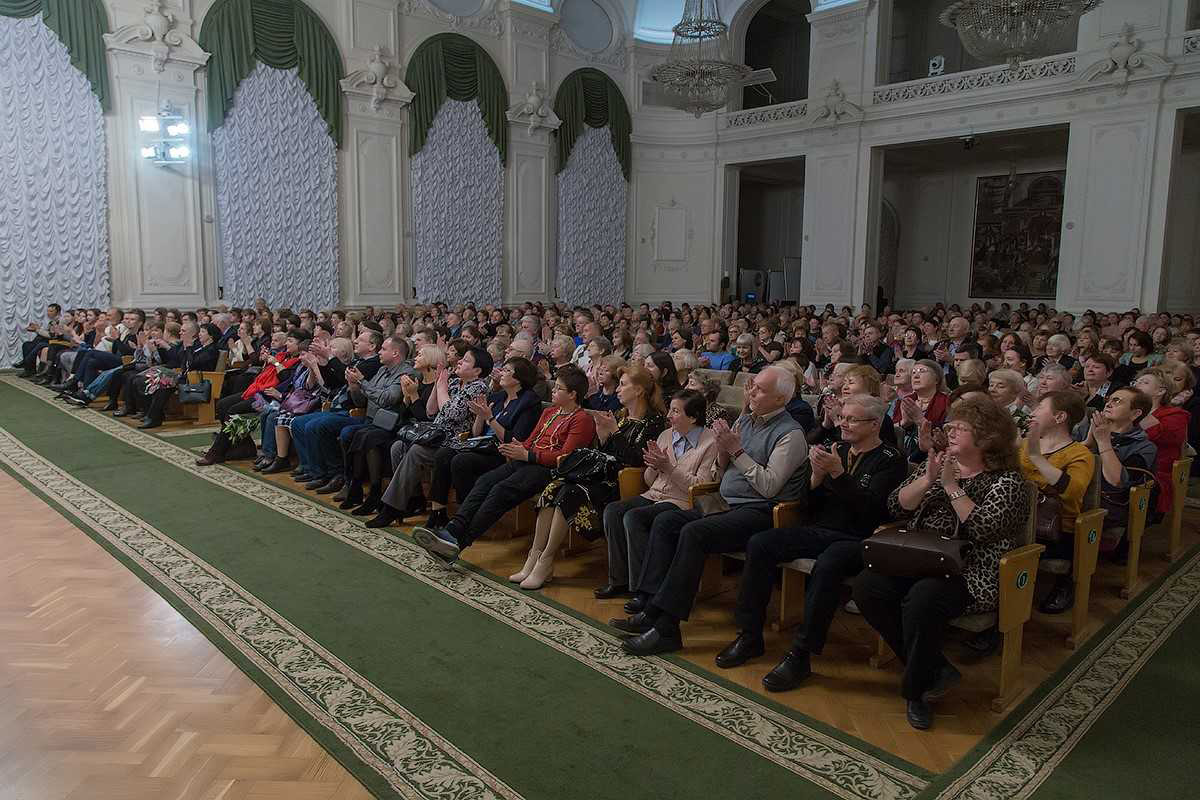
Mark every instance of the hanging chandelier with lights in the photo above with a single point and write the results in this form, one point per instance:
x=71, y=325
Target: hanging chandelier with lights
x=699, y=70
x=1013, y=30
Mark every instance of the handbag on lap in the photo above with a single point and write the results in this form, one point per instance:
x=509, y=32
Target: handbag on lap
x=423, y=433
x=908, y=550
x=195, y=393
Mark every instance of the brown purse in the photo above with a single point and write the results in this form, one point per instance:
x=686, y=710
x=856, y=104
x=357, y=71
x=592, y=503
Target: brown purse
x=1049, y=518
x=906, y=550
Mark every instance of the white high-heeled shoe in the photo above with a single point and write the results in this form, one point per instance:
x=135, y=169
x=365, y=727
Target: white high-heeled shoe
x=518, y=577
x=541, y=573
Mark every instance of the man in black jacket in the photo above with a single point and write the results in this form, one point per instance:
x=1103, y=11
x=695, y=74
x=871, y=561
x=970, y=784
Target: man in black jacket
x=848, y=494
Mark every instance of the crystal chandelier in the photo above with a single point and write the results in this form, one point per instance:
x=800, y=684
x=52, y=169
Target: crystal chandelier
x=699, y=70
x=1013, y=30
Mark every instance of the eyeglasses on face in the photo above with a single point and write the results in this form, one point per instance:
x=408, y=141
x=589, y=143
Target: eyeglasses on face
x=957, y=427
x=839, y=419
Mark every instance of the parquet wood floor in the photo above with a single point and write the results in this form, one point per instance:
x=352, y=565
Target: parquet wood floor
x=107, y=692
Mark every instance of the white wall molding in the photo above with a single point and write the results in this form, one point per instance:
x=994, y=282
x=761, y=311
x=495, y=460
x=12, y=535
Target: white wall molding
x=159, y=229
x=379, y=85
x=1127, y=61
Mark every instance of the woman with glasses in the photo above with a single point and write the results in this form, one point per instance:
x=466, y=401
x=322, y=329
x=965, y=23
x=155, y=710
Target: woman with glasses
x=503, y=416
x=973, y=486
x=925, y=407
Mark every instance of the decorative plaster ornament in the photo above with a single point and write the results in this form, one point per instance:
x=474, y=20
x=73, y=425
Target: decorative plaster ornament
x=1125, y=56
x=835, y=106
x=156, y=29
x=379, y=78
x=534, y=110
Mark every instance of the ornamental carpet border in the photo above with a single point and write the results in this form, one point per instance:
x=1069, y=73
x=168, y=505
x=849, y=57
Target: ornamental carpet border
x=836, y=766
x=410, y=756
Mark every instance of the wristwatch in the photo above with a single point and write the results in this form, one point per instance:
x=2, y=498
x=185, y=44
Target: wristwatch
x=955, y=495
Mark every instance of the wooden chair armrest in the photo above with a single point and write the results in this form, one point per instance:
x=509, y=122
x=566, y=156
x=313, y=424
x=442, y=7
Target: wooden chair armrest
x=1018, y=570
x=358, y=413
x=700, y=489
x=631, y=482
x=788, y=515
x=125, y=360
x=889, y=527
x=1087, y=541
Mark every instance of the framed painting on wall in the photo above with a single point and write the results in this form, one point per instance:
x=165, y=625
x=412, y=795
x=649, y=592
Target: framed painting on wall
x=1018, y=230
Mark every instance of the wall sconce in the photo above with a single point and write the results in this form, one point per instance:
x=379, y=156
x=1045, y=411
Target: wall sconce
x=168, y=137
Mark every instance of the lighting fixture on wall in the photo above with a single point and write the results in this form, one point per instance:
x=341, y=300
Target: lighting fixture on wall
x=167, y=136
x=1013, y=30
x=699, y=70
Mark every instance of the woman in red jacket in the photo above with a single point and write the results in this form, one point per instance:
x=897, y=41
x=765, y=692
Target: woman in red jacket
x=563, y=427
x=268, y=379
x=1166, y=426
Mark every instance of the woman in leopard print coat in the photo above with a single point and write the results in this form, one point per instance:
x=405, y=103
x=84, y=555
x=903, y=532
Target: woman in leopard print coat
x=976, y=479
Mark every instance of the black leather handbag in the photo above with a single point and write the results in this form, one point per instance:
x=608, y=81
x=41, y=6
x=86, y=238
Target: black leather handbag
x=423, y=433
x=587, y=465
x=386, y=419
x=195, y=393
x=910, y=551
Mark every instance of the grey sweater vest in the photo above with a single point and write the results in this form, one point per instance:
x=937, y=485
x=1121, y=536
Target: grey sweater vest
x=759, y=441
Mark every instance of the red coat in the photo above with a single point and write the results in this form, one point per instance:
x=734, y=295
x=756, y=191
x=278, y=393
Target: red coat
x=269, y=377
x=557, y=434
x=936, y=413
x=1168, y=436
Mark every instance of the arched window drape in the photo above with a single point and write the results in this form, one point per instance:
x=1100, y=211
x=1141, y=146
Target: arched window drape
x=458, y=142
x=593, y=189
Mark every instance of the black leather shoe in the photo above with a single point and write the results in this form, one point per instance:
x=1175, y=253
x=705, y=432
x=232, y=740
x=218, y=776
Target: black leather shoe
x=387, y=516
x=982, y=645
x=332, y=485
x=637, y=605
x=740, y=650
x=299, y=470
x=150, y=423
x=369, y=507
x=276, y=466
x=946, y=679
x=352, y=500
x=316, y=483
x=1061, y=597
x=653, y=642
x=638, y=623
x=609, y=591
x=919, y=714
x=789, y=673
x=81, y=400
x=304, y=477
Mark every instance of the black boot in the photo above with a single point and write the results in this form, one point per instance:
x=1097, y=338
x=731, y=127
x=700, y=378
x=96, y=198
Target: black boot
x=216, y=452
x=369, y=506
x=354, y=496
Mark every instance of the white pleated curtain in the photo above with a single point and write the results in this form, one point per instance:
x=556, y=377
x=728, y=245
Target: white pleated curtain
x=458, y=202
x=592, y=195
x=53, y=172
x=276, y=191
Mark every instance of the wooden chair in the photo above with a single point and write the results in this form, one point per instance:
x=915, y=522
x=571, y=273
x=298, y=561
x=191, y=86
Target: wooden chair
x=1180, y=471
x=732, y=397
x=1135, y=527
x=743, y=378
x=721, y=376
x=783, y=515
x=1018, y=573
x=206, y=413
x=1086, y=551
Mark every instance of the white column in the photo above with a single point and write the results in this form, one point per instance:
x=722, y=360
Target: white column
x=837, y=174
x=531, y=244
x=375, y=180
x=157, y=220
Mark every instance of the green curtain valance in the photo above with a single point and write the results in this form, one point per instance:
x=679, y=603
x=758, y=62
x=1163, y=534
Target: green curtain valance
x=589, y=97
x=449, y=65
x=281, y=34
x=80, y=25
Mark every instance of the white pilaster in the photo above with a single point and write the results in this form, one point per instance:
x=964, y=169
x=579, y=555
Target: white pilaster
x=158, y=222
x=375, y=168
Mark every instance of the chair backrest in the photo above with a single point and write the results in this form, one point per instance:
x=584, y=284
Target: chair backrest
x=732, y=397
x=1029, y=529
x=721, y=376
x=222, y=360
x=812, y=400
x=1091, y=498
x=742, y=378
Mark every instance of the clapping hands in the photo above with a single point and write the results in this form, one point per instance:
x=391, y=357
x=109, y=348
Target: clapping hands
x=727, y=439
x=656, y=458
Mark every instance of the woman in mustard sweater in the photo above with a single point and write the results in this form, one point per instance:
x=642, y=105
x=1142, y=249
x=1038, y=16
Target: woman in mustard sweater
x=1061, y=466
